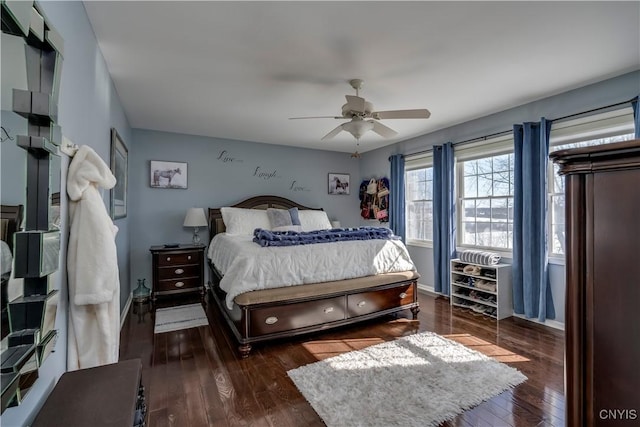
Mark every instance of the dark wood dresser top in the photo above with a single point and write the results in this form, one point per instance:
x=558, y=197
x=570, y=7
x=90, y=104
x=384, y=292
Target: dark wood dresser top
x=101, y=396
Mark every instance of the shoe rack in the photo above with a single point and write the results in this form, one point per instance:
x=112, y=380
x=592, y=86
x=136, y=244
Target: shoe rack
x=482, y=289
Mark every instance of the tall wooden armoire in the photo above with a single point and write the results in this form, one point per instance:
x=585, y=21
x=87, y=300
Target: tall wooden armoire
x=602, y=312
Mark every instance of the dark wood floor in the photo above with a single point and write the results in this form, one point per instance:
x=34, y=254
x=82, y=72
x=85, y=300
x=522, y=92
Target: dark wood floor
x=196, y=378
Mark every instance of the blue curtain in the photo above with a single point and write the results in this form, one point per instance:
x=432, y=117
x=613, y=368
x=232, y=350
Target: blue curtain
x=444, y=212
x=531, y=287
x=636, y=116
x=396, y=196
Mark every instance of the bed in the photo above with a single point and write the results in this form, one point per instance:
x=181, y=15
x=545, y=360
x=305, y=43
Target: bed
x=292, y=309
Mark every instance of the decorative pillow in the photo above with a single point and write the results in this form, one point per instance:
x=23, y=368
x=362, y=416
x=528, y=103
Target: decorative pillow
x=239, y=221
x=296, y=228
x=279, y=217
x=295, y=217
x=314, y=220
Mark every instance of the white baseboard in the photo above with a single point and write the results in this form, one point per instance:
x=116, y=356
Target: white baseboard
x=427, y=289
x=549, y=323
x=125, y=310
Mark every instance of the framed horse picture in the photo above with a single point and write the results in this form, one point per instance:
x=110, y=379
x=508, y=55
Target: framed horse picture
x=339, y=183
x=168, y=174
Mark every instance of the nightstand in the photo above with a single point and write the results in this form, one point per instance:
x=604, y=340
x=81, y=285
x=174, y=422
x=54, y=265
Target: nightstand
x=177, y=270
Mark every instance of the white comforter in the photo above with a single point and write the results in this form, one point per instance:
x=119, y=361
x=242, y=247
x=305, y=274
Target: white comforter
x=246, y=266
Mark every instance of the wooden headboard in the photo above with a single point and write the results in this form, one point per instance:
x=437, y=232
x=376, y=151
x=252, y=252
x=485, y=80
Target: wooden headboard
x=216, y=224
x=11, y=216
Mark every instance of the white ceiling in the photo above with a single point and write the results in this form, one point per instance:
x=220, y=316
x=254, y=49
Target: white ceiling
x=239, y=70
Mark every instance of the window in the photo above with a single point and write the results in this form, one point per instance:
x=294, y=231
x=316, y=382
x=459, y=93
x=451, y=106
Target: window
x=485, y=194
x=604, y=128
x=419, y=199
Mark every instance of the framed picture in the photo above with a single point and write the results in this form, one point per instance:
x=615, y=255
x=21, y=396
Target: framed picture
x=168, y=174
x=339, y=183
x=119, y=167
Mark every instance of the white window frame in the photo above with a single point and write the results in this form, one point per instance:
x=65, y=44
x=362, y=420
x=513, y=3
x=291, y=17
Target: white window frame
x=598, y=126
x=490, y=147
x=412, y=163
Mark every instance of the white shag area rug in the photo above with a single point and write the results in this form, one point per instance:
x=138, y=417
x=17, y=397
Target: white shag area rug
x=418, y=380
x=180, y=317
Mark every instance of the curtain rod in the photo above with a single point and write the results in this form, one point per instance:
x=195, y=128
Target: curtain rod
x=594, y=110
x=493, y=135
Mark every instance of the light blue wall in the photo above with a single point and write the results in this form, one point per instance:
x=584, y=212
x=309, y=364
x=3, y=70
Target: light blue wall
x=157, y=214
x=88, y=107
x=612, y=91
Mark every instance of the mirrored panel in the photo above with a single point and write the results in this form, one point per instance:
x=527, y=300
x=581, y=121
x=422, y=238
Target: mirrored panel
x=13, y=168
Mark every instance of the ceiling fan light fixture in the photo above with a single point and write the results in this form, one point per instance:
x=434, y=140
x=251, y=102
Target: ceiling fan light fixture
x=357, y=128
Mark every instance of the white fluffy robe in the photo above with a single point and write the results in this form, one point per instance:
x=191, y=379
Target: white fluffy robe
x=92, y=266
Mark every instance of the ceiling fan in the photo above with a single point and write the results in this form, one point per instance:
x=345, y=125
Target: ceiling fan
x=362, y=117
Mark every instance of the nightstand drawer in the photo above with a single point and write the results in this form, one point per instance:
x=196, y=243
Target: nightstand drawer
x=178, y=284
x=178, y=272
x=170, y=259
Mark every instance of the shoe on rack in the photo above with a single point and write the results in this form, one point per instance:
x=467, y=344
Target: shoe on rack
x=479, y=308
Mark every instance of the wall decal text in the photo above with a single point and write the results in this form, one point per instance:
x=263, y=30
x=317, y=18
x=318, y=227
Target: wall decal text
x=296, y=187
x=225, y=157
x=266, y=175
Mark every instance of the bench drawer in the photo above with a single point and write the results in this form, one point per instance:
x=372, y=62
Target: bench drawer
x=370, y=302
x=268, y=320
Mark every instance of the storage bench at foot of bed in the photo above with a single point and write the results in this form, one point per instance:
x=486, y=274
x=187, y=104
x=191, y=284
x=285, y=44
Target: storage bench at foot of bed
x=266, y=315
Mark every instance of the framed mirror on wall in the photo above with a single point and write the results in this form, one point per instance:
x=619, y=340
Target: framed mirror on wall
x=119, y=168
x=30, y=194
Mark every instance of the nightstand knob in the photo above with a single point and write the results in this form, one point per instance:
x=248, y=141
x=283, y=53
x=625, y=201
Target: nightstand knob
x=179, y=284
x=179, y=271
x=189, y=257
x=328, y=310
x=168, y=258
x=361, y=304
x=403, y=295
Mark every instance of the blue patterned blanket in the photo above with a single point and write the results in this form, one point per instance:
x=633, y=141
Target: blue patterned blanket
x=290, y=238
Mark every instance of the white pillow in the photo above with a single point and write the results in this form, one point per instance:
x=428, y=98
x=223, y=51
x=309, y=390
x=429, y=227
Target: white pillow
x=314, y=220
x=239, y=221
x=297, y=228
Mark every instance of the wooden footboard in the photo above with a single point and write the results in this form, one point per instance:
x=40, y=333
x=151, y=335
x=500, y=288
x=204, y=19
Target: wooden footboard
x=264, y=321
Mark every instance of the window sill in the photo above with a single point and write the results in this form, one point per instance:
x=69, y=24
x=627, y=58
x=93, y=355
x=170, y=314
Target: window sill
x=556, y=261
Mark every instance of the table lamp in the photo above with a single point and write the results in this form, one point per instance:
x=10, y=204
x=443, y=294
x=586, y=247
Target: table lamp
x=195, y=218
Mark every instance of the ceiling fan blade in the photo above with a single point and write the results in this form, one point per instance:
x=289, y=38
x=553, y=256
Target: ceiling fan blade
x=317, y=117
x=333, y=133
x=401, y=114
x=355, y=103
x=382, y=130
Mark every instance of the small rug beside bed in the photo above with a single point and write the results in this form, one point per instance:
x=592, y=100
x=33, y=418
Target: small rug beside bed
x=180, y=317
x=418, y=380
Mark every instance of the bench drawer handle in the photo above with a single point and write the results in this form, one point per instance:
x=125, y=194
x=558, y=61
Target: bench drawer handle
x=328, y=310
x=168, y=258
x=179, y=271
x=403, y=295
x=189, y=257
x=179, y=284
x=361, y=304
x=271, y=320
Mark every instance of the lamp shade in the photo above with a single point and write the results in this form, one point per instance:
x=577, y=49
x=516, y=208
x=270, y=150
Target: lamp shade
x=195, y=218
